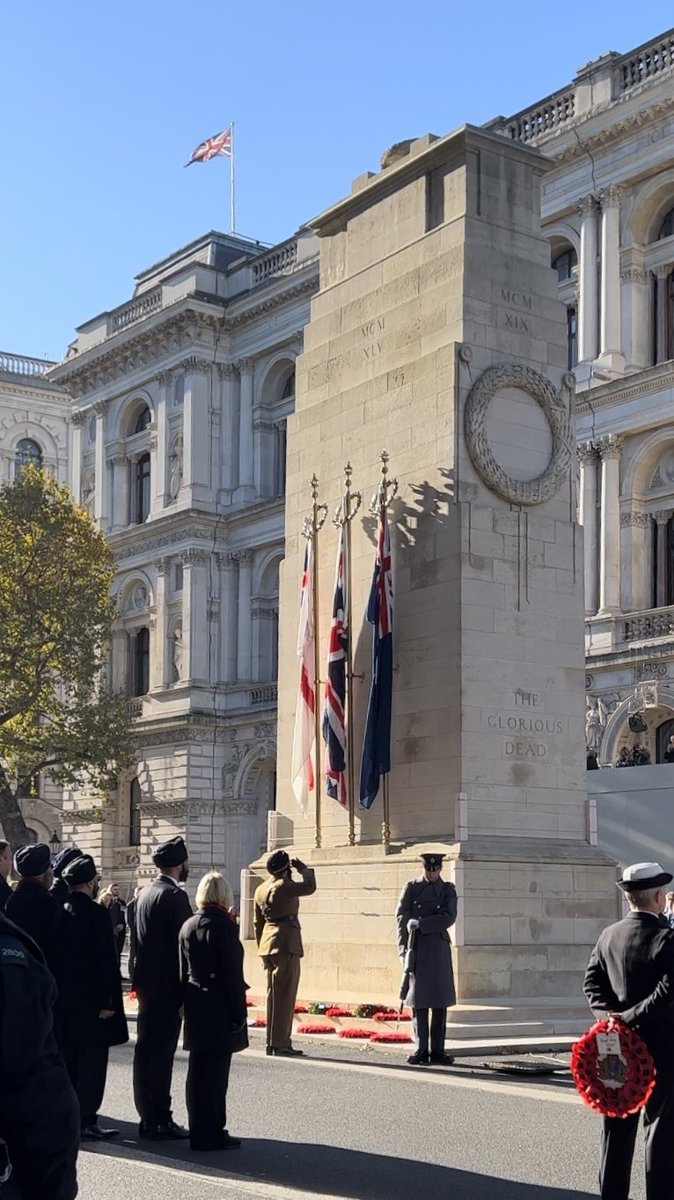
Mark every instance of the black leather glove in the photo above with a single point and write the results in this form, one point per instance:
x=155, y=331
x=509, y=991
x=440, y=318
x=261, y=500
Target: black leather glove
x=298, y=864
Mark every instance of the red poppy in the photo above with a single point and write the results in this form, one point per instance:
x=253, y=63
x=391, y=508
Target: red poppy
x=614, y=1086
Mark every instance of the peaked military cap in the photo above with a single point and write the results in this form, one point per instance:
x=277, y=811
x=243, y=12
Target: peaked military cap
x=65, y=856
x=170, y=854
x=277, y=862
x=80, y=870
x=432, y=861
x=32, y=860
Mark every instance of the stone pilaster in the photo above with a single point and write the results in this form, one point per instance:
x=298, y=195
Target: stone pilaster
x=196, y=482
x=587, y=516
x=245, y=632
x=229, y=615
x=195, y=600
x=610, y=449
x=229, y=431
x=246, y=489
x=76, y=419
x=101, y=494
x=662, y=347
x=588, y=317
x=636, y=560
x=159, y=642
x=661, y=556
x=610, y=351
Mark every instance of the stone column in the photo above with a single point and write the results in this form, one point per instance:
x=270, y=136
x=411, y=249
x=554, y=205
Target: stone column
x=246, y=489
x=662, y=350
x=635, y=561
x=609, y=546
x=120, y=491
x=76, y=420
x=196, y=434
x=636, y=316
x=120, y=660
x=160, y=463
x=195, y=616
x=158, y=642
x=245, y=644
x=229, y=615
x=263, y=433
x=588, y=317
x=229, y=429
x=610, y=342
x=661, y=565
x=587, y=516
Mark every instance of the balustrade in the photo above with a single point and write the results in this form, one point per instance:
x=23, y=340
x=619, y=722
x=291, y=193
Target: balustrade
x=654, y=623
x=280, y=261
x=268, y=694
x=648, y=61
x=136, y=310
x=20, y=364
x=544, y=118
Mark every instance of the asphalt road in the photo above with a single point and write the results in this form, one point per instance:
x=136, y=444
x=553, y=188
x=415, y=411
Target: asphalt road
x=337, y=1129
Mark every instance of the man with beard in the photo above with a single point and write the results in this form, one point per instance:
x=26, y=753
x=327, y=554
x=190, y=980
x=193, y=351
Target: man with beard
x=161, y=911
x=32, y=907
x=93, y=1008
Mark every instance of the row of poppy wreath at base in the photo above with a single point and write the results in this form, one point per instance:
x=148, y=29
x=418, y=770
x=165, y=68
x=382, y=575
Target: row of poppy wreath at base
x=353, y=1032
x=376, y=1012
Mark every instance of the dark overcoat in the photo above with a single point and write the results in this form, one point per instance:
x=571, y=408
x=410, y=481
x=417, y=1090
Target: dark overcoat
x=631, y=971
x=60, y=891
x=214, y=990
x=161, y=911
x=34, y=909
x=5, y=892
x=434, y=906
x=91, y=978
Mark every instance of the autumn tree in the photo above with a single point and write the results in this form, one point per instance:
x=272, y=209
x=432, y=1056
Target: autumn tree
x=58, y=716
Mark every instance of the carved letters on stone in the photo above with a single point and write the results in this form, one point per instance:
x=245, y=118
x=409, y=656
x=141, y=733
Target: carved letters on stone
x=535, y=491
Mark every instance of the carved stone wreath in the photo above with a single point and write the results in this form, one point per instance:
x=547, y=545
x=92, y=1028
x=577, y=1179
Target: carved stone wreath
x=534, y=491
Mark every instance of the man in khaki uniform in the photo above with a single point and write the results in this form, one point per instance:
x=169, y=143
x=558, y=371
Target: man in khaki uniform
x=279, y=943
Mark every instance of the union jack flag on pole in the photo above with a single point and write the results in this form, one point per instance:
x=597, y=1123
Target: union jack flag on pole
x=302, y=767
x=376, y=759
x=334, y=723
x=220, y=144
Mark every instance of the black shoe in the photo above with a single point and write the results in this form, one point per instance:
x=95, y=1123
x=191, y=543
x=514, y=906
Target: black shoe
x=419, y=1059
x=94, y=1133
x=285, y=1051
x=224, y=1142
x=167, y=1131
x=440, y=1059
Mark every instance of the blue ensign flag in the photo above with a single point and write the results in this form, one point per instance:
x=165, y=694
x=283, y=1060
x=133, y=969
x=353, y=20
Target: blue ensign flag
x=376, y=760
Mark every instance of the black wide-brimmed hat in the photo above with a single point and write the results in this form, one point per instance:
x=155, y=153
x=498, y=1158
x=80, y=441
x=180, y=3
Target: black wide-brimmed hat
x=31, y=861
x=171, y=854
x=642, y=876
x=278, y=862
x=80, y=870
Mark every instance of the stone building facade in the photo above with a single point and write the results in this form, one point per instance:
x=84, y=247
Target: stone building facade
x=34, y=427
x=608, y=211
x=179, y=403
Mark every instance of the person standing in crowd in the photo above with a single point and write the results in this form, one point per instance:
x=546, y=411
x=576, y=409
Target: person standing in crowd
x=117, y=911
x=131, y=922
x=161, y=911
x=427, y=909
x=669, y=750
x=624, y=759
x=5, y=868
x=33, y=908
x=94, y=1016
x=214, y=994
x=629, y=976
x=39, y=1118
x=59, y=889
x=668, y=911
x=279, y=943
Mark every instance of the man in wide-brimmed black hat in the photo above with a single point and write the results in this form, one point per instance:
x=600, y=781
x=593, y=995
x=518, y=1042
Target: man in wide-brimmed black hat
x=630, y=975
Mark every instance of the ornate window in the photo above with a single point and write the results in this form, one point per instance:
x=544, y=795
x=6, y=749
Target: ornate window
x=564, y=264
x=27, y=451
x=142, y=497
x=141, y=662
x=135, y=796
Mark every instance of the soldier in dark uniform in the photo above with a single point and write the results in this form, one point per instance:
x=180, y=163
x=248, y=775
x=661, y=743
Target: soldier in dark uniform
x=94, y=1016
x=161, y=911
x=59, y=889
x=630, y=975
x=39, y=1118
x=5, y=868
x=33, y=908
x=427, y=909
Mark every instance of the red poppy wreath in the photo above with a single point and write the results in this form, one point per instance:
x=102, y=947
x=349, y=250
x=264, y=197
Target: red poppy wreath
x=612, y=1069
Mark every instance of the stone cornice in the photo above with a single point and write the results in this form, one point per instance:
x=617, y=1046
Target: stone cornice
x=641, y=383
x=580, y=145
x=146, y=546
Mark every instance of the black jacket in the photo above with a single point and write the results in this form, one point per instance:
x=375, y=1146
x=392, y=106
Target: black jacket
x=5, y=893
x=34, y=909
x=161, y=910
x=214, y=991
x=91, y=979
x=131, y=922
x=631, y=971
x=60, y=891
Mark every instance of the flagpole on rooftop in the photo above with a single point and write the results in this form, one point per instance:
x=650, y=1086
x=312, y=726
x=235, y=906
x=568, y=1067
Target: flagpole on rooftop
x=351, y=502
x=232, y=208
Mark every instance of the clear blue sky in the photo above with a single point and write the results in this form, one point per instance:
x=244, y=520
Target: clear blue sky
x=102, y=104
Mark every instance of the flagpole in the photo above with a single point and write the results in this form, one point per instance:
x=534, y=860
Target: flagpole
x=318, y=514
x=232, y=210
x=387, y=491
x=351, y=502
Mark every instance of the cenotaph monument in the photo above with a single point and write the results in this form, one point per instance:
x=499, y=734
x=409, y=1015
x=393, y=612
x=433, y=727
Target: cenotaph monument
x=437, y=334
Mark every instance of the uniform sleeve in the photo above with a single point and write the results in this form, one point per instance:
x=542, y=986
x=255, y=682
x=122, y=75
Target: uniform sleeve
x=445, y=917
x=259, y=918
x=661, y=1000
x=306, y=888
x=403, y=914
x=598, y=990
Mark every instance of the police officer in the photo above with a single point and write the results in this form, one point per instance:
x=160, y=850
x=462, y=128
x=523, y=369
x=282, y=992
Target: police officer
x=59, y=889
x=161, y=911
x=426, y=910
x=39, y=1117
x=279, y=943
x=94, y=1016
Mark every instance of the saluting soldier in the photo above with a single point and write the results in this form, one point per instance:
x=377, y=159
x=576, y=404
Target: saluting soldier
x=279, y=943
x=426, y=910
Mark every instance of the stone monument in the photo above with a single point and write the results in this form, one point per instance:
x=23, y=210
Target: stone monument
x=437, y=333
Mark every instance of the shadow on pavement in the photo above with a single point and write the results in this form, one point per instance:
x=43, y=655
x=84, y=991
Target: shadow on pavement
x=332, y=1170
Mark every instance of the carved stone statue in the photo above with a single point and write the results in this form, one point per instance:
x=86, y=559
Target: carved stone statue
x=176, y=465
x=177, y=653
x=595, y=722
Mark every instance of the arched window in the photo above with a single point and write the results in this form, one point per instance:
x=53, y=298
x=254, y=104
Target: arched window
x=289, y=387
x=135, y=797
x=280, y=447
x=141, y=662
x=564, y=263
x=27, y=451
x=667, y=227
x=142, y=420
x=142, y=489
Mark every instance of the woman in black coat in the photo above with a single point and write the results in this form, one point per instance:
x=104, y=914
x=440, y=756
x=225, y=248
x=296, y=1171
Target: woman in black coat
x=214, y=996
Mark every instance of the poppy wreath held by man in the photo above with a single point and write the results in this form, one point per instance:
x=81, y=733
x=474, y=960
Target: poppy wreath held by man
x=612, y=1069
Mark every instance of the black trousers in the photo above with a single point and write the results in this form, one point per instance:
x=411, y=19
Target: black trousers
x=619, y=1136
x=156, y=1040
x=87, y=1068
x=438, y=1029
x=206, y=1096
x=39, y=1119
